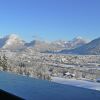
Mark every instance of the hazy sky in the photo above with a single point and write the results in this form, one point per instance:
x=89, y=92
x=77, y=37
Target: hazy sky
x=50, y=19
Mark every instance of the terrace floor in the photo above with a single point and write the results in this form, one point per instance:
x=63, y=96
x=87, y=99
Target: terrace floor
x=34, y=89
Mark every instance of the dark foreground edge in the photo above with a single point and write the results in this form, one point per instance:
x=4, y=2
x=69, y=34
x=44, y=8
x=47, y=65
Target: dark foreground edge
x=7, y=96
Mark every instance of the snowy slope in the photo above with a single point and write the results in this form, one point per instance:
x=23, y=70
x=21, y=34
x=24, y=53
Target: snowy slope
x=78, y=83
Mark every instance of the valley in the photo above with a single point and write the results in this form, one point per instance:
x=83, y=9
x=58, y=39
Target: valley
x=45, y=66
x=33, y=60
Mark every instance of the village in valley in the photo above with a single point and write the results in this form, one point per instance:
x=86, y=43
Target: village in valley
x=46, y=66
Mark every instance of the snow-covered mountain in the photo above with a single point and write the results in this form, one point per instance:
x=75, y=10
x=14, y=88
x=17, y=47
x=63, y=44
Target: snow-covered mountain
x=43, y=46
x=60, y=43
x=76, y=46
x=92, y=47
x=78, y=41
x=56, y=45
x=14, y=42
x=74, y=43
x=38, y=45
x=11, y=42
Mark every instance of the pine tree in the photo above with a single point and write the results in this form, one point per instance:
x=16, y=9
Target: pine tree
x=4, y=63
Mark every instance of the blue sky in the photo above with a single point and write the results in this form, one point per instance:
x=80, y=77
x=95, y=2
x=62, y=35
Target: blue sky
x=50, y=19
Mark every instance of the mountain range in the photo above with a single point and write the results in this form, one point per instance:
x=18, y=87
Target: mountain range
x=77, y=45
x=14, y=42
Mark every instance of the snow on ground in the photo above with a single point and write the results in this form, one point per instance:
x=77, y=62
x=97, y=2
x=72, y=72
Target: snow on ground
x=79, y=83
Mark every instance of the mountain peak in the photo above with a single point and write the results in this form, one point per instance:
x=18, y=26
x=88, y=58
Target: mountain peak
x=11, y=41
x=80, y=39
